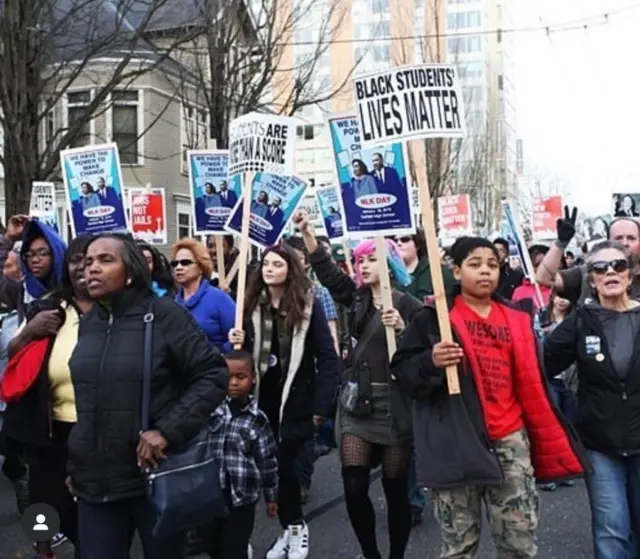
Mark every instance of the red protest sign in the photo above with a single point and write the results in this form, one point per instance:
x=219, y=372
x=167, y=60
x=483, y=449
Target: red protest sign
x=148, y=216
x=545, y=211
x=454, y=217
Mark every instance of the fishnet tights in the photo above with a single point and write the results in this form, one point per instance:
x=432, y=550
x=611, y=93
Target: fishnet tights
x=358, y=452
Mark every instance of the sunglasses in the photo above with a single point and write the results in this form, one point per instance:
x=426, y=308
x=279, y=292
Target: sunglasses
x=618, y=265
x=184, y=263
x=403, y=240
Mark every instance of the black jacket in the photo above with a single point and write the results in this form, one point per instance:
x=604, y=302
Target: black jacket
x=452, y=445
x=509, y=279
x=311, y=382
x=608, y=417
x=360, y=309
x=188, y=382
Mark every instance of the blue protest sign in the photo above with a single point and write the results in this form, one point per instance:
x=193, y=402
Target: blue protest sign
x=329, y=204
x=213, y=194
x=93, y=184
x=374, y=193
x=274, y=199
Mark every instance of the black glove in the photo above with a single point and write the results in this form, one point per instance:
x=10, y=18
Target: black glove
x=566, y=226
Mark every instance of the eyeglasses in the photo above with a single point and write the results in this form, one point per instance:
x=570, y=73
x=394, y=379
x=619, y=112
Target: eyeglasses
x=41, y=253
x=184, y=263
x=601, y=266
x=403, y=240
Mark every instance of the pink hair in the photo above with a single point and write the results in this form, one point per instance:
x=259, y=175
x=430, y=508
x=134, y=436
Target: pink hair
x=397, y=269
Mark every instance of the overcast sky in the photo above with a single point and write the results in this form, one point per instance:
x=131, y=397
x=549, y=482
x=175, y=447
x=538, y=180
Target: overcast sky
x=578, y=96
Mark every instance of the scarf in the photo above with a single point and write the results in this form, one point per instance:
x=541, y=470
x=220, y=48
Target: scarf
x=266, y=333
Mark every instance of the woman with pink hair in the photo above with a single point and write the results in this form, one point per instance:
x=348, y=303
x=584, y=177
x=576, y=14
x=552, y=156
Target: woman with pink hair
x=373, y=422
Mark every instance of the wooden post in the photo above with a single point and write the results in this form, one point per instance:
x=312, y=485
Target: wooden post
x=385, y=291
x=244, y=250
x=220, y=261
x=428, y=223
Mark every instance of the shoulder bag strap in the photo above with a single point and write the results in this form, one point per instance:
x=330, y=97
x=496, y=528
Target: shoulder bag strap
x=146, y=367
x=363, y=341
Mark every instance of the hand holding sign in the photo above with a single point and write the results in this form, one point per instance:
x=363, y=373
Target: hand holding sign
x=446, y=354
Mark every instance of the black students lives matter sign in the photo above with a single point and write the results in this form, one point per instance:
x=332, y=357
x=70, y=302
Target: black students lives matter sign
x=262, y=143
x=409, y=103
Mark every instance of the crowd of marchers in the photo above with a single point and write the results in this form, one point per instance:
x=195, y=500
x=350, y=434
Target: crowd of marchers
x=547, y=366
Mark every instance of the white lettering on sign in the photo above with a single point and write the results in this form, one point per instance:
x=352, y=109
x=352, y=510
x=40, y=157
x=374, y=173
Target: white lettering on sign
x=262, y=143
x=409, y=103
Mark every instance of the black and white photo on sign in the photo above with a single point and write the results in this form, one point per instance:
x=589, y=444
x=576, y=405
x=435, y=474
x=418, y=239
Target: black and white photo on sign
x=409, y=103
x=625, y=204
x=262, y=144
x=592, y=229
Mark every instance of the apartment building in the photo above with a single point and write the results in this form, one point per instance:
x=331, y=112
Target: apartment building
x=485, y=58
x=361, y=42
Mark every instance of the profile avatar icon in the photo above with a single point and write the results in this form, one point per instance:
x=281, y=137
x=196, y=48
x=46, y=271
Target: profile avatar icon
x=40, y=522
x=40, y=525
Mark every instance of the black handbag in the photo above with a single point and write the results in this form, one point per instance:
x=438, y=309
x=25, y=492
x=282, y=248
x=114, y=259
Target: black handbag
x=184, y=489
x=355, y=392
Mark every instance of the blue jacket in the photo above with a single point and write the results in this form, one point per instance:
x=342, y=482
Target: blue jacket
x=35, y=287
x=213, y=310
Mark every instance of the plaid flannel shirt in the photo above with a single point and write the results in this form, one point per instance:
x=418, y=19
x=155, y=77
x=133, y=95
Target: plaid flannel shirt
x=247, y=453
x=328, y=305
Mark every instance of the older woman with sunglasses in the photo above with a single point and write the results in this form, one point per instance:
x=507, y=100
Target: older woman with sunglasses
x=603, y=339
x=212, y=308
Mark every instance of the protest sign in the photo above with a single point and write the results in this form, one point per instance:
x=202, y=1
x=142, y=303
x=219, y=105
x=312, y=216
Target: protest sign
x=374, y=194
x=148, y=215
x=593, y=229
x=454, y=218
x=43, y=204
x=545, y=211
x=213, y=193
x=93, y=184
x=329, y=204
x=511, y=232
x=274, y=199
x=410, y=102
x=625, y=204
x=309, y=205
x=262, y=143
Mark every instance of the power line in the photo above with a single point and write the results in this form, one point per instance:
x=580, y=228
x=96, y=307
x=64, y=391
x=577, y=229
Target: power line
x=561, y=27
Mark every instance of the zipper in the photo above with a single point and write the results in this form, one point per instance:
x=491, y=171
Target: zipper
x=99, y=379
x=152, y=477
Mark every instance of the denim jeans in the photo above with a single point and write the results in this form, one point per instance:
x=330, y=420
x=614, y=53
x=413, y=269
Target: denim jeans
x=106, y=530
x=563, y=398
x=614, y=496
x=417, y=496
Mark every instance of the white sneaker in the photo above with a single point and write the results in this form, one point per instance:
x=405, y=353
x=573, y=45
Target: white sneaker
x=280, y=547
x=298, y=541
x=250, y=552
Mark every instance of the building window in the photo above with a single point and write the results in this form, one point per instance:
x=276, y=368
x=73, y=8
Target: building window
x=126, y=125
x=193, y=131
x=184, y=225
x=77, y=105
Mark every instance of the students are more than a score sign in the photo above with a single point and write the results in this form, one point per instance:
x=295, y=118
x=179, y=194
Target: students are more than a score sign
x=409, y=103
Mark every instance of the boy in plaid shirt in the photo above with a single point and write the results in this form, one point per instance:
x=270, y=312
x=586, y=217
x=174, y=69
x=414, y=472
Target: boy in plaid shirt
x=247, y=453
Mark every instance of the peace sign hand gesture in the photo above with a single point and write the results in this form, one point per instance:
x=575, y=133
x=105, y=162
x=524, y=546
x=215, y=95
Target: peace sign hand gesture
x=566, y=226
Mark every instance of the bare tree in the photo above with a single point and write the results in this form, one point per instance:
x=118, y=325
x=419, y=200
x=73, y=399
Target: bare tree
x=274, y=60
x=50, y=46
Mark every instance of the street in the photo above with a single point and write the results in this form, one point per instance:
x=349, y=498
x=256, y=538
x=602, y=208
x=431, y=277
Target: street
x=564, y=532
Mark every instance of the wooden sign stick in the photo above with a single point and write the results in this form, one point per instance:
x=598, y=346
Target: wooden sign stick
x=244, y=251
x=220, y=261
x=385, y=291
x=428, y=223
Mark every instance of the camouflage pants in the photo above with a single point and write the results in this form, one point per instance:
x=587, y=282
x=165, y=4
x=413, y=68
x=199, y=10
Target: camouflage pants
x=512, y=508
